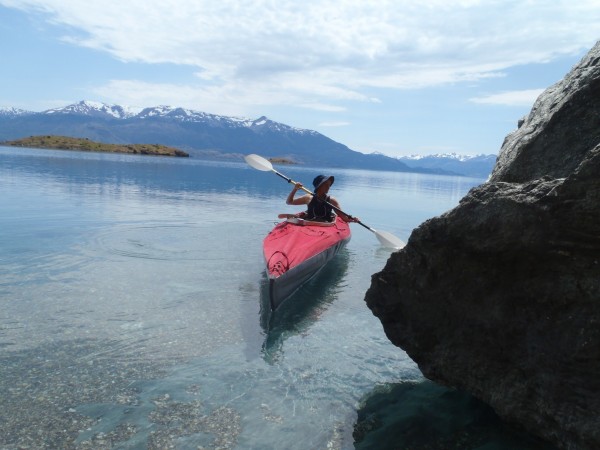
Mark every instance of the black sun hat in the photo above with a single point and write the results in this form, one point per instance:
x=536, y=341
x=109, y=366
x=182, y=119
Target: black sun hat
x=320, y=179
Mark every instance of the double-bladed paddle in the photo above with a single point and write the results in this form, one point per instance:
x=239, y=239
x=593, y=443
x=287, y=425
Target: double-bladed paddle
x=386, y=239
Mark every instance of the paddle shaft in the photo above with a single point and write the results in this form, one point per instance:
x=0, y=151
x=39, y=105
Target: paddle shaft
x=385, y=238
x=338, y=210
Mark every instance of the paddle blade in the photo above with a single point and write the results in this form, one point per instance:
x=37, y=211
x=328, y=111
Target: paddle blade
x=389, y=240
x=258, y=162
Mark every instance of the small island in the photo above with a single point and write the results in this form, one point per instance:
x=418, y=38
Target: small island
x=84, y=144
x=276, y=160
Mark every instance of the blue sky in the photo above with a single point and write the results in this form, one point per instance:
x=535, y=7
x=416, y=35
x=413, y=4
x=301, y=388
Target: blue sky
x=397, y=77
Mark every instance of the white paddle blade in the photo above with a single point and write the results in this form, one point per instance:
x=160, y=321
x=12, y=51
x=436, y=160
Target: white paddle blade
x=389, y=240
x=258, y=162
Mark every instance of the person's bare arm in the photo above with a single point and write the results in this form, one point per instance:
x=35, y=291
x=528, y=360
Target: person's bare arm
x=292, y=200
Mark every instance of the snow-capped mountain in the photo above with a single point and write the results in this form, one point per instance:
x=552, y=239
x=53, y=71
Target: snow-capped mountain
x=210, y=135
x=479, y=166
x=95, y=109
x=198, y=133
x=13, y=112
x=184, y=115
x=449, y=156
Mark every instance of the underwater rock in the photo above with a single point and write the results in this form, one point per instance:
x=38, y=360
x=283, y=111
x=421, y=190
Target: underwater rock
x=501, y=295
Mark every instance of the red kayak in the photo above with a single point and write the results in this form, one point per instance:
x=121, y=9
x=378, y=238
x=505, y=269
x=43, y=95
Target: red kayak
x=295, y=250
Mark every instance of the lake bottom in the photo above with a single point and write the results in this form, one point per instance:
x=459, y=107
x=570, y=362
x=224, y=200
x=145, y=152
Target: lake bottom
x=67, y=395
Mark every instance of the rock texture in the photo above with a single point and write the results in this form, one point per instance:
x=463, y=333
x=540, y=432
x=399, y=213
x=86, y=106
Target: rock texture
x=501, y=295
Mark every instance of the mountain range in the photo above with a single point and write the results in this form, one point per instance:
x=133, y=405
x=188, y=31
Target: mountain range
x=212, y=136
x=479, y=166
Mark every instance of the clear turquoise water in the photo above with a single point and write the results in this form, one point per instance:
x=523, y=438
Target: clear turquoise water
x=131, y=291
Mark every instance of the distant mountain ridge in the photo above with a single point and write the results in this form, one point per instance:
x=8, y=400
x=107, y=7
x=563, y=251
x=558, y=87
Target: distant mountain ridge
x=13, y=112
x=478, y=166
x=95, y=109
x=200, y=134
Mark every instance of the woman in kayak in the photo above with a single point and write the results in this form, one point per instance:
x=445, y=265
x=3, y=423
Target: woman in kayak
x=321, y=207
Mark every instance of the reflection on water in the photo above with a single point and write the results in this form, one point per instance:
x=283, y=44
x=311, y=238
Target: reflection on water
x=302, y=309
x=114, y=174
x=426, y=416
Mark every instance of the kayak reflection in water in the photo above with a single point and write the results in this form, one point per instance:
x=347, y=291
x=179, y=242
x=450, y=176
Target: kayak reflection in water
x=321, y=207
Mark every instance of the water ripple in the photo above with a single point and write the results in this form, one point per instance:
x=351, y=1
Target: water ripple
x=157, y=242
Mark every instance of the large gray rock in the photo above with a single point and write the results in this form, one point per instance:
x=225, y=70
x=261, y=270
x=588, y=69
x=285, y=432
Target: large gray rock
x=501, y=295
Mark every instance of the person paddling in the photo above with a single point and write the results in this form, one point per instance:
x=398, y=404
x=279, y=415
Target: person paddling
x=320, y=206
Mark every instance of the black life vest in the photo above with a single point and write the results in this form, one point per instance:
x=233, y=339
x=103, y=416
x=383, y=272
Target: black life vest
x=319, y=210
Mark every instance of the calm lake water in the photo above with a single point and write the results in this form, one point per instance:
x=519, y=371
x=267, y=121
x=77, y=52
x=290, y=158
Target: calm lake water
x=130, y=313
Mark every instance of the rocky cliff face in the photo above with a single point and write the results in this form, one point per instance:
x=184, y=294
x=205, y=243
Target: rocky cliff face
x=501, y=295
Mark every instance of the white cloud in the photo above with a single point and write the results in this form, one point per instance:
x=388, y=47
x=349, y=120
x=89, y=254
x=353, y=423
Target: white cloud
x=318, y=53
x=322, y=107
x=512, y=98
x=334, y=124
x=226, y=99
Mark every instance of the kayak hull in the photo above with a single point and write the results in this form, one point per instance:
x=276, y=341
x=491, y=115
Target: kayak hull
x=295, y=252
